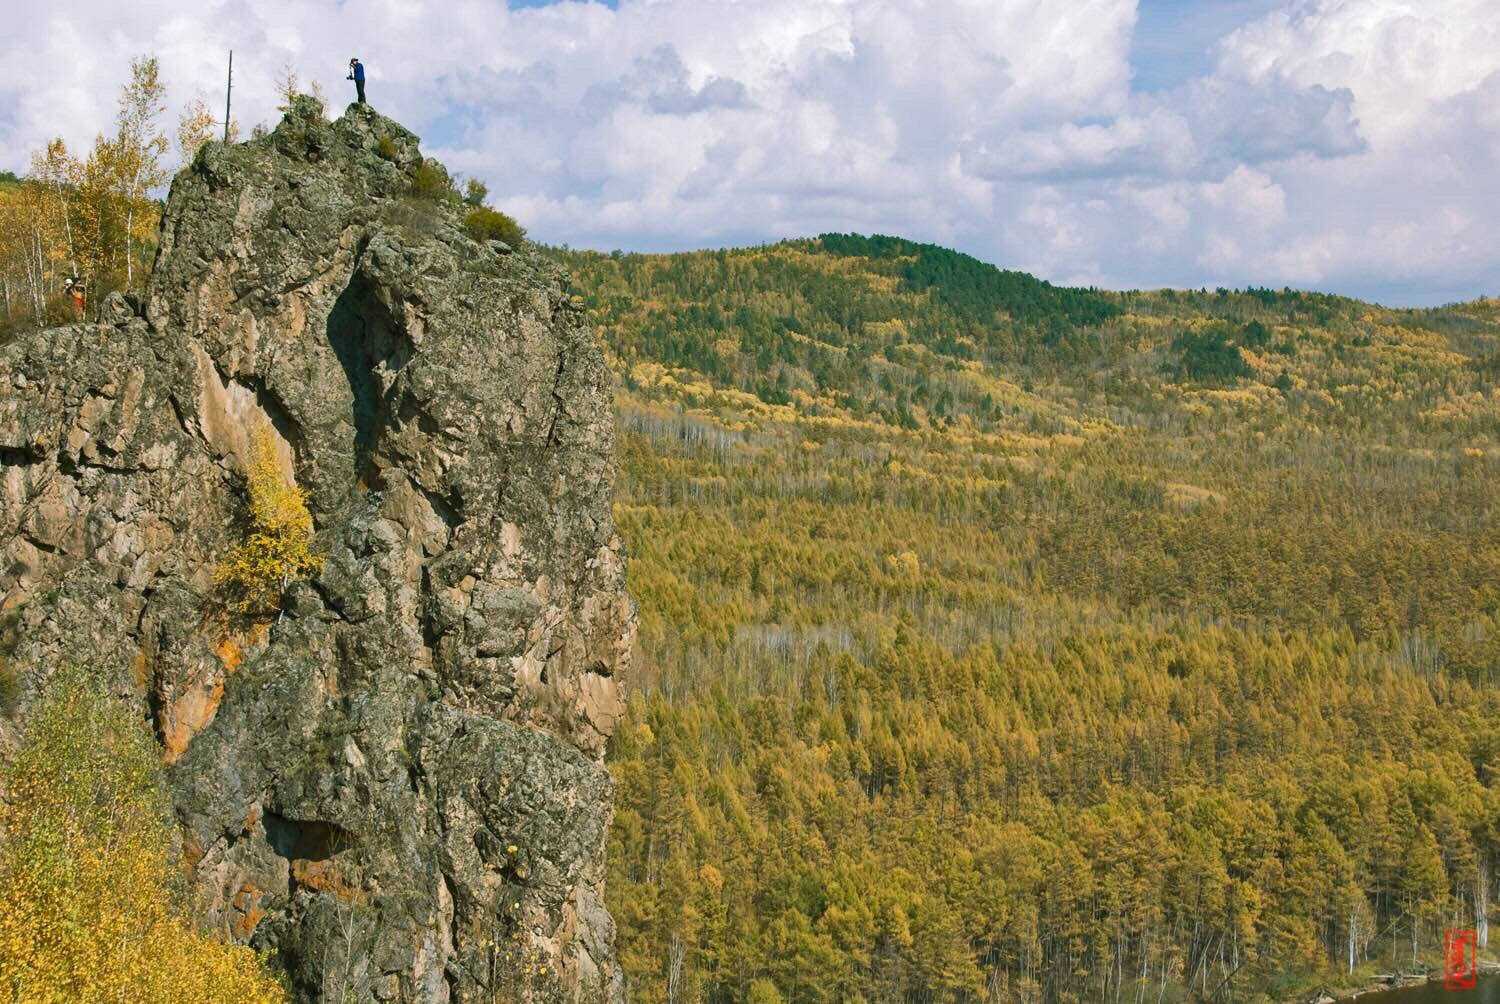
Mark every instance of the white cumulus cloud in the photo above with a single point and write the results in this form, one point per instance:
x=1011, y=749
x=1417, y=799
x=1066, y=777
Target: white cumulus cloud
x=1345, y=144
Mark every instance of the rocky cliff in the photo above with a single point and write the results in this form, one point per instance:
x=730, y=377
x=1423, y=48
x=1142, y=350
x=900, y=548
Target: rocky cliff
x=397, y=782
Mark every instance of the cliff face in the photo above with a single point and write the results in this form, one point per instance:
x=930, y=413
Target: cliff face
x=398, y=783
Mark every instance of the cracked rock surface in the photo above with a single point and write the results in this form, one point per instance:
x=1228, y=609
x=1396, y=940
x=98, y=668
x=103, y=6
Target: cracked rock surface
x=398, y=784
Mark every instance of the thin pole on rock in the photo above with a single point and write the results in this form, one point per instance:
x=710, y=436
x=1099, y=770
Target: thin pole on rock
x=228, y=92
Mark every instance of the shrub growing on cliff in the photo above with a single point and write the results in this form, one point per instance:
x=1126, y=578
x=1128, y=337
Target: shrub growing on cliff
x=277, y=549
x=87, y=910
x=486, y=224
x=431, y=181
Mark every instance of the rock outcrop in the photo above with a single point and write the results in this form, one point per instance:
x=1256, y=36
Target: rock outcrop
x=396, y=783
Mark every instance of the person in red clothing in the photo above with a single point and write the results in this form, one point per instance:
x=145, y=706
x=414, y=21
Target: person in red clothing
x=74, y=286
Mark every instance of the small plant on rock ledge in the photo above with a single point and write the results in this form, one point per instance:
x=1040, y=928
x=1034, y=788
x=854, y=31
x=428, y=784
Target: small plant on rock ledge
x=430, y=181
x=486, y=224
x=277, y=549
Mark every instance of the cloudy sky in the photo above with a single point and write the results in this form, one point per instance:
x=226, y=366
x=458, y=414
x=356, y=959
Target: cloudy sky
x=1344, y=145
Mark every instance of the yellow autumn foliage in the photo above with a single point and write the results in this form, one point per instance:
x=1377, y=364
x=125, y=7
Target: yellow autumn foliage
x=277, y=549
x=87, y=905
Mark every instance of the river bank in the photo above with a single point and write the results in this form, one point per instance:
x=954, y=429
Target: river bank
x=1413, y=988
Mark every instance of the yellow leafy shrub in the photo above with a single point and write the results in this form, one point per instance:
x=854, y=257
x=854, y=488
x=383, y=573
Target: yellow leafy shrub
x=87, y=905
x=277, y=549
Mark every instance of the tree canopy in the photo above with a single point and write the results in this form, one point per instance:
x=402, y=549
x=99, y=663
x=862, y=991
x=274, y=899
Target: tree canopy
x=994, y=654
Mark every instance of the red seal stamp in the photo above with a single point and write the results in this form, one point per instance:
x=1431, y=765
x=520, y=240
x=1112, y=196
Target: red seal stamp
x=1459, y=967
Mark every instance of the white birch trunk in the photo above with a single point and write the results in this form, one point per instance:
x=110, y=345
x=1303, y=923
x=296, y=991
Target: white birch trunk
x=1353, y=934
x=1482, y=903
x=129, y=235
x=67, y=225
x=35, y=278
x=675, y=954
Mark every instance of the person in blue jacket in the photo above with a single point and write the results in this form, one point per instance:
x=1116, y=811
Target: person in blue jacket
x=357, y=74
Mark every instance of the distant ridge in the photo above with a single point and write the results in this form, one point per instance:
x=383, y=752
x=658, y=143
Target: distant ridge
x=975, y=290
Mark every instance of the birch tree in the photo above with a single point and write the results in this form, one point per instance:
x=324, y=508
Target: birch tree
x=57, y=170
x=139, y=147
x=195, y=126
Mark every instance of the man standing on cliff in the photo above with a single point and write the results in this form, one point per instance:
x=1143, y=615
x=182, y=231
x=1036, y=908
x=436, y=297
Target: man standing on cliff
x=357, y=74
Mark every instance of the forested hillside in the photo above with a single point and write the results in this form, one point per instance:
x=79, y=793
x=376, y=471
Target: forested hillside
x=1009, y=642
x=999, y=641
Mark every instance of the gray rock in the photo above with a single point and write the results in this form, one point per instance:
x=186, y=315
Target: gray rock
x=398, y=784
x=120, y=308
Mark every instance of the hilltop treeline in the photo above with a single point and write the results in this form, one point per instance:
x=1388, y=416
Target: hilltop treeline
x=975, y=291
x=1038, y=650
